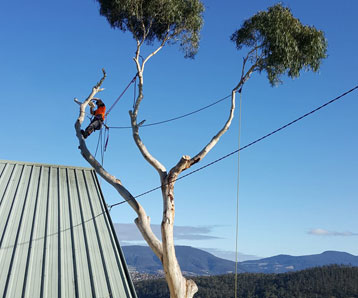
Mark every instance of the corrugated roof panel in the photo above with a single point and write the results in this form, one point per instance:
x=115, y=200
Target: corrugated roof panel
x=56, y=238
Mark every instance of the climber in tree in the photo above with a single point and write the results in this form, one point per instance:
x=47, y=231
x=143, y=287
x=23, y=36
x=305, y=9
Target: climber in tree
x=97, y=120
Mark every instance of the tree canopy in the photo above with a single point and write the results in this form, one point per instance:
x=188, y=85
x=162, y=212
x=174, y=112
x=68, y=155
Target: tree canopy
x=280, y=43
x=161, y=20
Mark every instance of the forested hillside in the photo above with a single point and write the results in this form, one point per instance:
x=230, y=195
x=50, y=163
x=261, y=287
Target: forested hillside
x=320, y=282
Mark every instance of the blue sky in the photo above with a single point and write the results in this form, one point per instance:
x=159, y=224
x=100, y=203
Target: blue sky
x=298, y=189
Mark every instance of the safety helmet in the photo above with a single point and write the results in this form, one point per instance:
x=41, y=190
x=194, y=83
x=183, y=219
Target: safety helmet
x=99, y=102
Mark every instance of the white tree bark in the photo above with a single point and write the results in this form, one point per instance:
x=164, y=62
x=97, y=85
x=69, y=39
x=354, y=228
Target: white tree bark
x=142, y=221
x=179, y=286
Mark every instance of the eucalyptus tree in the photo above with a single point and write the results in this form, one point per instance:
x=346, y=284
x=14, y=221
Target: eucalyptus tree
x=280, y=44
x=277, y=44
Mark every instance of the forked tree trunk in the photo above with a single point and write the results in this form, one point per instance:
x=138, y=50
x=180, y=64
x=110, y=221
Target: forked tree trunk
x=179, y=286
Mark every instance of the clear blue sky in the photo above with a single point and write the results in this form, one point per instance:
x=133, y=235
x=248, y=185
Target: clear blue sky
x=298, y=189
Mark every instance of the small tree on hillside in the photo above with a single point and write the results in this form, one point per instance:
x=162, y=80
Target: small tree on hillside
x=277, y=43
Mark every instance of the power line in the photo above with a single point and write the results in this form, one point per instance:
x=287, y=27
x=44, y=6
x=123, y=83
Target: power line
x=246, y=146
x=176, y=118
x=54, y=233
x=190, y=173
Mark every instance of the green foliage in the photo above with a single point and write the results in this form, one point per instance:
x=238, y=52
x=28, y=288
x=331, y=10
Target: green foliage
x=283, y=44
x=150, y=20
x=319, y=282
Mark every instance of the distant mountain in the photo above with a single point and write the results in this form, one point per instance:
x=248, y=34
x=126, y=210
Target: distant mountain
x=285, y=263
x=194, y=261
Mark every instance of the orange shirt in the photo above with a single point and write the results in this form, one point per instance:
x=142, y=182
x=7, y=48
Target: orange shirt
x=100, y=111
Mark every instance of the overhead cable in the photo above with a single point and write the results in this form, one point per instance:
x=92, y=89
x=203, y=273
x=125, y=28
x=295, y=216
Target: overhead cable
x=192, y=172
x=176, y=118
x=246, y=146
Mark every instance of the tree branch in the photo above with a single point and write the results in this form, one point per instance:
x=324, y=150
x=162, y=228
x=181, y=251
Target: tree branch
x=133, y=114
x=140, y=67
x=143, y=221
x=136, y=58
x=95, y=90
x=185, y=163
x=216, y=138
x=166, y=38
x=143, y=149
x=245, y=77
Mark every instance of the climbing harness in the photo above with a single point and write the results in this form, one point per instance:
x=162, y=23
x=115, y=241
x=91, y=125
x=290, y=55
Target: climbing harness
x=103, y=137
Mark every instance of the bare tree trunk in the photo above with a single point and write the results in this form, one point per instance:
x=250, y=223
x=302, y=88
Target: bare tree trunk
x=179, y=286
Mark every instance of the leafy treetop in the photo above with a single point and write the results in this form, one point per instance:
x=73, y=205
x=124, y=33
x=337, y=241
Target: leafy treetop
x=161, y=20
x=280, y=44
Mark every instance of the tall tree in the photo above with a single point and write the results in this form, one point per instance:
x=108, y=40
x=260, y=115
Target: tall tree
x=277, y=43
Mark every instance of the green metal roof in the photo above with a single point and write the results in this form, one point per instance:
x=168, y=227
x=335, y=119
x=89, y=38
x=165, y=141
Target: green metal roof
x=56, y=235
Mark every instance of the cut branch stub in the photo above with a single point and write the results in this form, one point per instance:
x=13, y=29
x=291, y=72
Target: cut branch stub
x=183, y=164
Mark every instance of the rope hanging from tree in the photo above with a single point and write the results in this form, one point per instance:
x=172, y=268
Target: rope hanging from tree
x=237, y=196
x=124, y=91
x=103, y=139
